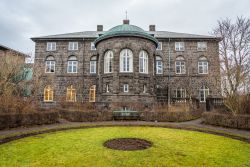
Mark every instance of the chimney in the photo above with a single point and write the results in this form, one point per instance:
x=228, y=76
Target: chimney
x=99, y=27
x=151, y=27
x=126, y=21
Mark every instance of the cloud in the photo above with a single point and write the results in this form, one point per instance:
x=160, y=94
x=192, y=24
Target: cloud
x=21, y=20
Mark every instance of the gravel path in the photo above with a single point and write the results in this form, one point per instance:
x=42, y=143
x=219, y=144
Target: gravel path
x=190, y=125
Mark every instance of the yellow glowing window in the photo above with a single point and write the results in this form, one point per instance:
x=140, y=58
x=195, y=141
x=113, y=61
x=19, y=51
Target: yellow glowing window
x=92, y=93
x=71, y=94
x=48, y=93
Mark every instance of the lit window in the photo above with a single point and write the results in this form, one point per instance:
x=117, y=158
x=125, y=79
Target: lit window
x=180, y=93
x=50, y=64
x=72, y=64
x=159, y=68
x=143, y=62
x=92, y=46
x=125, y=88
x=159, y=47
x=51, y=46
x=179, y=46
x=108, y=62
x=201, y=46
x=180, y=67
x=203, y=65
x=73, y=46
x=71, y=94
x=92, y=93
x=48, y=94
x=203, y=93
x=126, y=61
x=93, y=61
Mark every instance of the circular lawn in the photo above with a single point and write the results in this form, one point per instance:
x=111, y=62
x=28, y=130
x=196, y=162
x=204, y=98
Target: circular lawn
x=85, y=147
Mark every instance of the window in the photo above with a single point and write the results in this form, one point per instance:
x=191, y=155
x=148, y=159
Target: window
x=180, y=67
x=203, y=93
x=48, y=94
x=73, y=46
x=159, y=47
x=201, y=46
x=93, y=65
x=92, y=92
x=72, y=64
x=144, y=89
x=126, y=61
x=179, y=46
x=143, y=62
x=107, y=88
x=203, y=65
x=125, y=88
x=50, y=64
x=108, y=62
x=159, y=68
x=71, y=94
x=180, y=93
x=92, y=46
x=51, y=46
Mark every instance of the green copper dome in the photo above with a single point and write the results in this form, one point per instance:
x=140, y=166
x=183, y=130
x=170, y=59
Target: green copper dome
x=126, y=30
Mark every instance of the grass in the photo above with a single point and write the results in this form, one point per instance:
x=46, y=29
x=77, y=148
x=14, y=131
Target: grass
x=83, y=147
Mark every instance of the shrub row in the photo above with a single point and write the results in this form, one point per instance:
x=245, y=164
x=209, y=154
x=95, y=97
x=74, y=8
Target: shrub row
x=27, y=119
x=227, y=120
x=175, y=116
x=88, y=116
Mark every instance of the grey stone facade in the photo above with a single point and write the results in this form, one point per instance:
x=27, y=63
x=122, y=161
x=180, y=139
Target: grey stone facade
x=155, y=83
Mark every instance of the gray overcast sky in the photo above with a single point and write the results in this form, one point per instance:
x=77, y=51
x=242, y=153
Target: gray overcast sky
x=22, y=19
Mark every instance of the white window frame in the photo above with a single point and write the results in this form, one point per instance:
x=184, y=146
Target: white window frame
x=108, y=62
x=180, y=65
x=182, y=93
x=143, y=62
x=125, y=88
x=92, y=46
x=203, y=93
x=179, y=46
x=202, y=67
x=126, y=60
x=201, y=46
x=144, y=88
x=159, y=47
x=159, y=65
x=92, y=65
x=107, y=88
x=50, y=64
x=73, y=46
x=72, y=64
x=51, y=46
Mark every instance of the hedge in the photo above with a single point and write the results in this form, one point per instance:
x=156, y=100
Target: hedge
x=27, y=119
x=174, y=116
x=227, y=120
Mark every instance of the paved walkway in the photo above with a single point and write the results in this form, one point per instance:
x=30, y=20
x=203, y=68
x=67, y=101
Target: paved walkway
x=190, y=125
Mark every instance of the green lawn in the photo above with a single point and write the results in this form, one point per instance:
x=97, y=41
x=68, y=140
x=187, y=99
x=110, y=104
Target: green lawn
x=83, y=147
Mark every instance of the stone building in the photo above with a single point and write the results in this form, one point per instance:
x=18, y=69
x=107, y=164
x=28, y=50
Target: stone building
x=127, y=65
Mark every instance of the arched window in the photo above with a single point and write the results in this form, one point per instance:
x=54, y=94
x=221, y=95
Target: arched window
x=159, y=66
x=71, y=94
x=143, y=62
x=50, y=64
x=108, y=62
x=92, y=92
x=92, y=67
x=48, y=93
x=203, y=93
x=126, y=61
x=203, y=65
x=180, y=67
x=72, y=64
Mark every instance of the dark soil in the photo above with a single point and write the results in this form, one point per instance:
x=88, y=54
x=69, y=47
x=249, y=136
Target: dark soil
x=127, y=144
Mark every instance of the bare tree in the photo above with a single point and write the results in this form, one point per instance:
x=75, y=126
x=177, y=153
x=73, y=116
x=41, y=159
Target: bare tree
x=234, y=51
